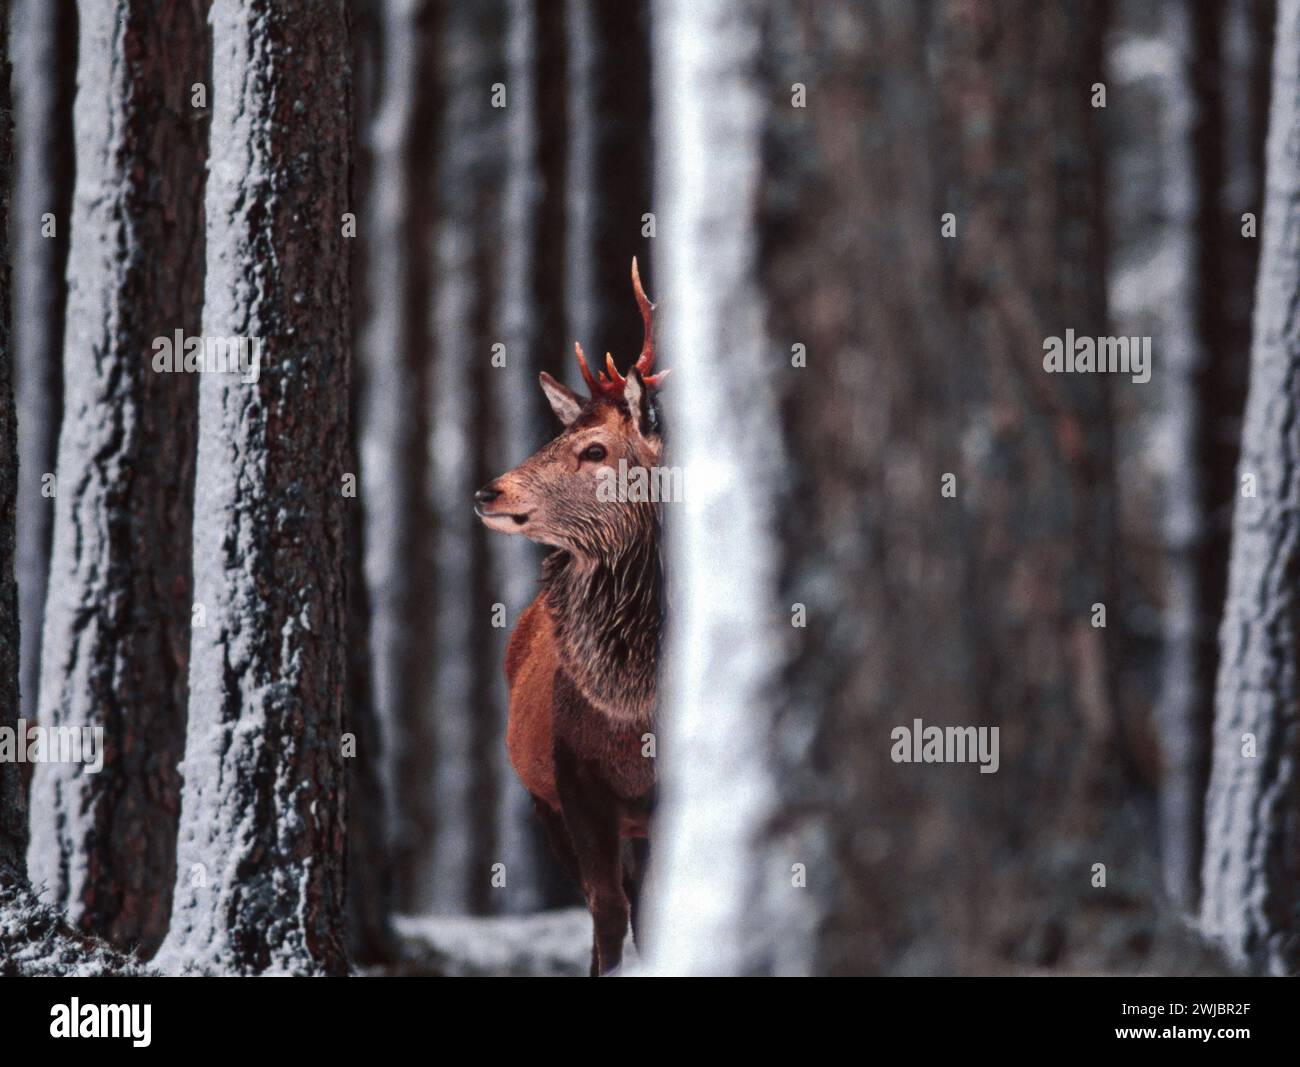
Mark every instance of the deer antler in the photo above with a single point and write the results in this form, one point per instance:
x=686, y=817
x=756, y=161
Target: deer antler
x=609, y=383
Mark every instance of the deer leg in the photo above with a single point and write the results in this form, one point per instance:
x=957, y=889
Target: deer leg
x=634, y=868
x=591, y=815
x=558, y=838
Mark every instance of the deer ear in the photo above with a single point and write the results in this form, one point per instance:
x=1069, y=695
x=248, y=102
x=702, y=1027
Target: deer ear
x=640, y=405
x=563, y=400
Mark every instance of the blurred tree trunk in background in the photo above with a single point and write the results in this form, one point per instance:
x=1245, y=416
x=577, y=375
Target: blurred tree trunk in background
x=392, y=358
x=607, y=172
x=529, y=320
x=369, y=815
x=260, y=859
x=1252, y=852
x=463, y=267
x=117, y=620
x=1181, y=176
x=44, y=33
x=924, y=358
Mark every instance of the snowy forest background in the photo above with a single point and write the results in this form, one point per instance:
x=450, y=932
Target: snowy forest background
x=201, y=583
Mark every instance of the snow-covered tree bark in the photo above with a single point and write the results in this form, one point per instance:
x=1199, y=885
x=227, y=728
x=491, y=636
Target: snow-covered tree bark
x=1251, y=873
x=34, y=939
x=116, y=635
x=717, y=908
x=260, y=861
x=45, y=50
x=13, y=810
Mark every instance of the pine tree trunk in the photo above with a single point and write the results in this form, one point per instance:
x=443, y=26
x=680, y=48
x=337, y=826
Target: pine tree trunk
x=45, y=33
x=260, y=863
x=719, y=786
x=393, y=355
x=13, y=811
x=116, y=636
x=1251, y=874
x=455, y=875
x=607, y=170
x=791, y=233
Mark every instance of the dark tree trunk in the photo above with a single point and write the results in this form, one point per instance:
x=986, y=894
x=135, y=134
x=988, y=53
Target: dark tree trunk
x=117, y=617
x=1252, y=852
x=45, y=34
x=970, y=610
x=605, y=57
x=260, y=878
x=13, y=811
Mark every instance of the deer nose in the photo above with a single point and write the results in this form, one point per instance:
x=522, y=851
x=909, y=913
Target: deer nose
x=487, y=494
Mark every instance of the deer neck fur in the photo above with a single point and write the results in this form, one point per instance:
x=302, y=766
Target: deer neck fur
x=607, y=610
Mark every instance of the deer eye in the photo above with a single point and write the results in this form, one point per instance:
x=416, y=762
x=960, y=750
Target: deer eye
x=594, y=453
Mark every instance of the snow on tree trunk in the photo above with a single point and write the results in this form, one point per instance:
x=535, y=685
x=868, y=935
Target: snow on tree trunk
x=45, y=35
x=116, y=634
x=1251, y=874
x=260, y=874
x=13, y=812
x=716, y=869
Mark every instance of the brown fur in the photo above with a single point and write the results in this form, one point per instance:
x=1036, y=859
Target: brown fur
x=582, y=661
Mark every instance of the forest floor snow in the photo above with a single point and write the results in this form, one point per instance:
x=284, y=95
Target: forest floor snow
x=37, y=942
x=546, y=944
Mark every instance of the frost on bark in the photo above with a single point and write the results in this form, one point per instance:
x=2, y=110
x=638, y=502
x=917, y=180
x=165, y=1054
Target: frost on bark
x=1251, y=874
x=45, y=37
x=13, y=812
x=716, y=909
x=116, y=635
x=260, y=873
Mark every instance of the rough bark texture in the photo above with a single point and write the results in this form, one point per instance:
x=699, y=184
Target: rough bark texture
x=13, y=812
x=260, y=878
x=1252, y=854
x=117, y=616
x=45, y=63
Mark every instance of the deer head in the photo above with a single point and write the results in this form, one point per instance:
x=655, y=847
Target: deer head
x=552, y=496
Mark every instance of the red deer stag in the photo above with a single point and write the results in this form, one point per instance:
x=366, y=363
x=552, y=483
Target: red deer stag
x=582, y=660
